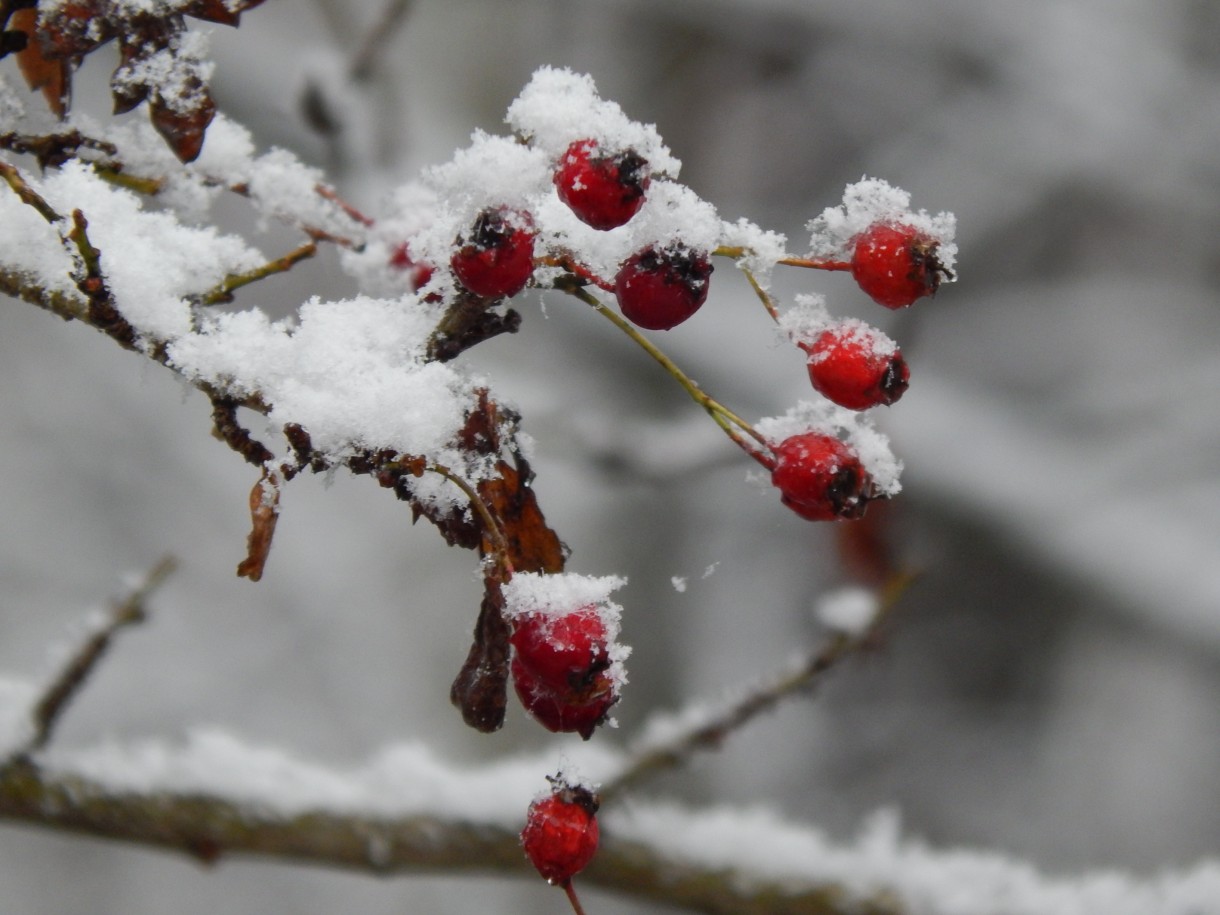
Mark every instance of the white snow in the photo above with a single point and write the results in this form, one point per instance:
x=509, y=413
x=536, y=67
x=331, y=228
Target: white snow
x=856, y=334
x=872, y=200
x=754, y=845
x=558, y=107
x=850, y=610
x=857, y=430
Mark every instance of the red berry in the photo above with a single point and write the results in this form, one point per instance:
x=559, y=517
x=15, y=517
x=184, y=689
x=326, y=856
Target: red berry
x=603, y=189
x=857, y=366
x=418, y=272
x=820, y=478
x=565, y=711
x=563, y=651
x=496, y=259
x=660, y=288
x=896, y=264
x=561, y=832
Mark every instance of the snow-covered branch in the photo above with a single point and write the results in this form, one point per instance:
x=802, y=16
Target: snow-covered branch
x=407, y=811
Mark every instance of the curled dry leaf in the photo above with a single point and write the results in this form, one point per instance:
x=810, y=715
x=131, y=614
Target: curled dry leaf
x=52, y=77
x=264, y=513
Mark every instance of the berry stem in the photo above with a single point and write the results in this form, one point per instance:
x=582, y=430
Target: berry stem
x=490, y=525
x=811, y=263
x=577, y=908
x=763, y=296
x=577, y=269
x=732, y=424
x=224, y=290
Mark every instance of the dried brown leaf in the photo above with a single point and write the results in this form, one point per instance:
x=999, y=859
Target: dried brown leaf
x=264, y=513
x=52, y=77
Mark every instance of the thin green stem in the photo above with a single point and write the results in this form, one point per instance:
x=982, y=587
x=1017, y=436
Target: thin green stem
x=224, y=291
x=90, y=256
x=810, y=263
x=490, y=524
x=28, y=195
x=732, y=424
x=763, y=296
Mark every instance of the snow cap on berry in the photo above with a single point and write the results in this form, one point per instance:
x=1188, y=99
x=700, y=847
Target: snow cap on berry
x=805, y=320
x=492, y=173
x=558, y=107
x=409, y=211
x=860, y=333
x=856, y=429
x=533, y=593
x=870, y=201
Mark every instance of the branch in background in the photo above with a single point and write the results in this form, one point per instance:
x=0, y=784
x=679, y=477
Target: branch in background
x=375, y=41
x=712, y=728
x=209, y=827
x=67, y=684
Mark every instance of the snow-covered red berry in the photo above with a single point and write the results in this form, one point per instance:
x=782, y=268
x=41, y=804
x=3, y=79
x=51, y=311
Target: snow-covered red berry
x=563, y=651
x=417, y=272
x=857, y=366
x=572, y=710
x=495, y=259
x=659, y=288
x=561, y=833
x=820, y=477
x=603, y=188
x=895, y=264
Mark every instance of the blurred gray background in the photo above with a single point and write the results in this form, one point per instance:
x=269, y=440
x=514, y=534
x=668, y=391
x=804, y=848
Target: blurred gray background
x=1049, y=688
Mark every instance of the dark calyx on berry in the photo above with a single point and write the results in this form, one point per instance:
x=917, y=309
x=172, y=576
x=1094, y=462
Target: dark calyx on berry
x=821, y=478
x=603, y=189
x=495, y=259
x=896, y=264
x=857, y=367
x=578, y=710
x=659, y=288
x=561, y=834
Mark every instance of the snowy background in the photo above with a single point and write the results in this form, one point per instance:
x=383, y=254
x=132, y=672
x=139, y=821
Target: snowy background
x=1049, y=689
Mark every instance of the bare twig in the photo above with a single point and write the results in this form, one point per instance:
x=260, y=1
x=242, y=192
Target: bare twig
x=67, y=684
x=712, y=729
x=392, y=17
x=13, y=177
x=224, y=291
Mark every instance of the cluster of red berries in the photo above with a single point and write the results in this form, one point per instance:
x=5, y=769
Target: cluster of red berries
x=561, y=833
x=856, y=366
x=657, y=287
x=562, y=670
